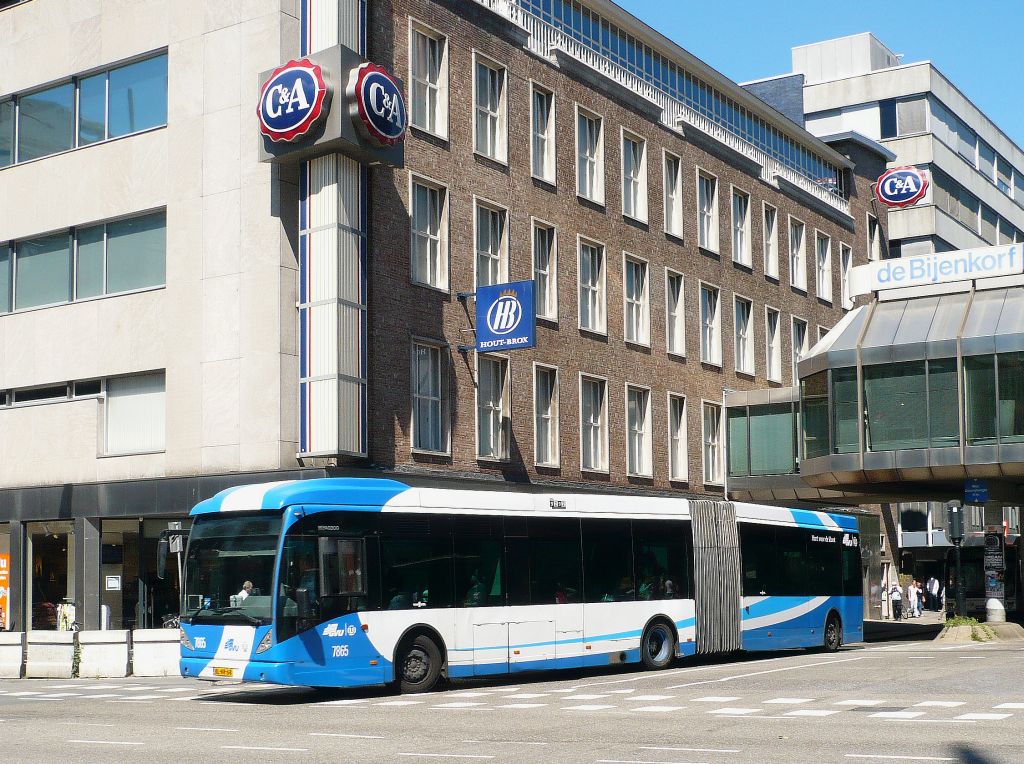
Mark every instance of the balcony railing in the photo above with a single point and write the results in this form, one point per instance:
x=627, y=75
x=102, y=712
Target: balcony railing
x=545, y=38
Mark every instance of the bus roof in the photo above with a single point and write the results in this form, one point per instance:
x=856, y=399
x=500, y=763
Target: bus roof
x=394, y=496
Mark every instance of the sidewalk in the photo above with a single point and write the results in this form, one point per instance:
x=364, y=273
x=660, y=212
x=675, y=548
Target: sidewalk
x=928, y=626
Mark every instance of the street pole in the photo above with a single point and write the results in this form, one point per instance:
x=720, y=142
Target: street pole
x=961, y=602
x=955, y=532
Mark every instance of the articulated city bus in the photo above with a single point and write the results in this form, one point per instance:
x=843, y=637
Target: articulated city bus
x=344, y=582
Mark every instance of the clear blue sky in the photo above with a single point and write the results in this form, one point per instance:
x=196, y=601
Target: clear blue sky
x=973, y=43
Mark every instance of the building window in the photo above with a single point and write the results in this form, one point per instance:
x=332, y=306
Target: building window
x=542, y=146
x=772, y=345
x=675, y=325
x=712, y=427
x=845, y=266
x=637, y=301
x=545, y=271
x=800, y=347
x=429, y=220
x=492, y=422
x=589, y=156
x=743, y=345
x=429, y=75
x=771, y=241
x=741, y=248
x=491, y=245
x=135, y=414
x=797, y=263
x=593, y=424
x=710, y=326
x=823, y=266
x=638, y=431
x=489, y=110
x=634, y=177
x=109, y=258
x=707, y=211
x=109, y=104
x=429, y=422
x=677, y=454
x=673, y=195
x=592, y=287
x=545, y=411
x=874, y=239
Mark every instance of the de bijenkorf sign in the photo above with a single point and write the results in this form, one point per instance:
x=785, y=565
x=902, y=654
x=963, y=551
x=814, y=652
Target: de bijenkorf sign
x=377, y=105
x=505, y=318
x=291, y=100
x=901, y=186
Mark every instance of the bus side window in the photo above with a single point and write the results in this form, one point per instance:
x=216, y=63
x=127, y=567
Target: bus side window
x=478, y=561
x=608, y=561
x=760, y=560
x=343, y=576
x=555, y=561
x=662, y=562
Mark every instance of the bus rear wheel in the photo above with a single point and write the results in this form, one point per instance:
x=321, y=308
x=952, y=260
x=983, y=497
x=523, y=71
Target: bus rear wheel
x=419, y=665
x=833, y=634
x=658, y=645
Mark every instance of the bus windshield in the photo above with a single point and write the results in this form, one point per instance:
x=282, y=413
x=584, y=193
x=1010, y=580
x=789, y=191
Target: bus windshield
x=229, y=568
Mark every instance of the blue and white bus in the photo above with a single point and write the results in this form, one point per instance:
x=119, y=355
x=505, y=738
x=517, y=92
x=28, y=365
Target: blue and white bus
x=345, y=582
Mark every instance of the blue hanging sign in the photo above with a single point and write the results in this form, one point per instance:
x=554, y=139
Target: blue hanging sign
x=505, y=319
x=975, y=491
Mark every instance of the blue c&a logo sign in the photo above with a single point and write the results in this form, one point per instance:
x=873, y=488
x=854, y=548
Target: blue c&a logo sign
x=901, y=186
x=377, y=105
x=291, y=100
x=504, y=317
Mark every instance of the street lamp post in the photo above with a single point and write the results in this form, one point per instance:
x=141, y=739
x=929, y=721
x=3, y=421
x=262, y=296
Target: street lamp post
x=956, y=535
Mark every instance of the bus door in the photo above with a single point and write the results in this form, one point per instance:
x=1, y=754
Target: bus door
x=716, y=572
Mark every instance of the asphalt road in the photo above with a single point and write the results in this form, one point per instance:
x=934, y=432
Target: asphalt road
x=893, y=702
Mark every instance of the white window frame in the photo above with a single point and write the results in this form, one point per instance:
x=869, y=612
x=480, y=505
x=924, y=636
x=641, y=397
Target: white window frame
x=793, y=321
x=677, y=473
x=680, y=314
x=444, y=259
x=773, y=354
x=747, y=367
x=822, y=331
x=715, y=351
x=553, y=417
x=823, y=272
x=640, y=213
x=672, y=198
x=601, y=291
x=500, y=116
x=643, y=305
x=549, y=162
x=444, y=418
x=711, y=244
x=717, y=476
x=598, y=191
x=646, y=468
x=551, y=293
x=874, y=242
x=480, y=202
x=744, y=253
x=603, y=466
x=417, y=27
x=771, y=241
x=505, y=411
x=797, y=270
x=845, y=272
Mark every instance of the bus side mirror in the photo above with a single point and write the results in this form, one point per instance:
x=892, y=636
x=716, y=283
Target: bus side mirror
x=304, y=604
x=162, y=548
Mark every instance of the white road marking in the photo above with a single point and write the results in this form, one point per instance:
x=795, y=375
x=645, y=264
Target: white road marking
x=205, y=729
x=585, y=697
x=101, y=687
x=107, y=742
x=178, y=689
x=586, y=707
x=921, y=657
x=470, y=694
x=733, y=711
x=399, y=703
x=623, y=692
x=1009, y=705
x=529, y=695
x=972, y=657
x=24, y=693
x=448, y=755
x=523, y=705
x=345, y=734
x=716, y=699
x=104, y=695
x=506, y=742
x=261, y=748
x=688, y=750
x=633, y=761
x=897, y=714
x=571, y=689
x=62, y=686
x=650, y=697
x=897, y=758
x=983, y=717
x=858, y=702
x=344, y=702
x=813, y=712
x=761, y=673
x=658, y=709
x=941, y=703
x=468, y=704
x=134, y=700
x=789, y=701
x=90, y=724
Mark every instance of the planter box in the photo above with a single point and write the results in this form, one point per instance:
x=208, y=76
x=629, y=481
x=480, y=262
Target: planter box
x=103, y=654
x=156, y=652
x=12, y=654
x=49, y=654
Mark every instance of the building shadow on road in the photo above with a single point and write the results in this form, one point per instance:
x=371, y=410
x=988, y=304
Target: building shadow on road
x=969, y=755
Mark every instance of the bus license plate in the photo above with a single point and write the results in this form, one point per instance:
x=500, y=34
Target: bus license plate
x=218, y=671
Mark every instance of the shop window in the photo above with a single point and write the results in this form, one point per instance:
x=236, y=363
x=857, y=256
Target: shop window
x=52, y=572
x=943, y=399
x=895, y=395
x=845, y=425
x=814, y=397
x=772, y=439
x=5, y=577
x=980, y=399
x=1011, y=397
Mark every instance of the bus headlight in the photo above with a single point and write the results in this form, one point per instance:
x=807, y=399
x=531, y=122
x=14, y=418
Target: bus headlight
x=185, y=641
x=265, y=643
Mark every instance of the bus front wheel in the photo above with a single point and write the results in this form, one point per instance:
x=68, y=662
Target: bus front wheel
x=419, y=665
x=658, y=645
x=833, y=634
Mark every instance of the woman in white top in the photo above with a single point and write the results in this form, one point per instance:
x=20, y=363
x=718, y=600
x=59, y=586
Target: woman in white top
x=912, y=599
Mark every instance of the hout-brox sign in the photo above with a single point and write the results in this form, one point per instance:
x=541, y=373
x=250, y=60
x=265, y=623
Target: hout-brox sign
x=505, y=318
x=938, y=268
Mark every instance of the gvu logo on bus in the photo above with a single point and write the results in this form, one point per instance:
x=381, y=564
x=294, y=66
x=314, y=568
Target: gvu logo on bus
x=337, y=630
x=901, y=186
x=505, y=313
x=232, y=646
x=379, y=104
x=292, y=100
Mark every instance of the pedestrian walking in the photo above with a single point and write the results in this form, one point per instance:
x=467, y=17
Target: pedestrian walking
x=912, y=599
x=920, y=599
x=896, y=596
x=933, y=591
